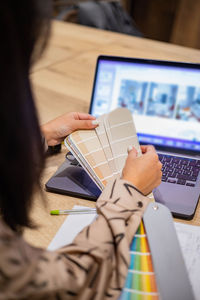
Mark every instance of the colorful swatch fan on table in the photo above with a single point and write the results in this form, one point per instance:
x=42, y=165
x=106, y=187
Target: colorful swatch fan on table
x=140, y=281
x=102, y=153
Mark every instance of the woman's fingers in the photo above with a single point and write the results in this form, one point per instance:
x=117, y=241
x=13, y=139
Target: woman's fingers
x=84, y=116
x=143, y=172
x=132, y=151
x=83, y=124
x=147, y=148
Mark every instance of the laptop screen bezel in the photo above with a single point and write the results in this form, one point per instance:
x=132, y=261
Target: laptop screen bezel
x=184, y=65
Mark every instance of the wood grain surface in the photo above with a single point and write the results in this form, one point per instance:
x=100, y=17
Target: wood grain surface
x=62, y=82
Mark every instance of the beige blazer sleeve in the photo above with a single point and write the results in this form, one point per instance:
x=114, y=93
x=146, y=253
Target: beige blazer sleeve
x=93, y=267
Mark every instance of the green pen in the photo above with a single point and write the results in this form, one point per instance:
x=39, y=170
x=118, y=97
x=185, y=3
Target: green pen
x=73, y=211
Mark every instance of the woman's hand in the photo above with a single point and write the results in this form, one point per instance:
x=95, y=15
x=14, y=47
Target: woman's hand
x=56, y=130
x=143, y=172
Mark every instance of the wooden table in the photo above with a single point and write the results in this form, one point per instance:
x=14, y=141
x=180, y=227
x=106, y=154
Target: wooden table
x=62, y=82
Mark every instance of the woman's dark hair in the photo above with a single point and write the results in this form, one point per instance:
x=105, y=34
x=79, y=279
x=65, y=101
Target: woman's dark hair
x=24, y=28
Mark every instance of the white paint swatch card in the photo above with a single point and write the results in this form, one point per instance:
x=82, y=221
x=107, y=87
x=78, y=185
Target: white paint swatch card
x=122, y=134
x=103, y=138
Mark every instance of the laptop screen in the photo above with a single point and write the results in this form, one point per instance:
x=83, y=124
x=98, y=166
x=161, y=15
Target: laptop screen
x=164, y=98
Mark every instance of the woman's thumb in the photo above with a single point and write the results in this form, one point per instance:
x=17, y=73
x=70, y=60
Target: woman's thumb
x=85, y=124
x=132, y=151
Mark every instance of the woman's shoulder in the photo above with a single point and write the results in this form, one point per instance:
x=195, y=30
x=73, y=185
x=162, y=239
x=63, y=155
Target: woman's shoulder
x=6, y=234
x=14, y=251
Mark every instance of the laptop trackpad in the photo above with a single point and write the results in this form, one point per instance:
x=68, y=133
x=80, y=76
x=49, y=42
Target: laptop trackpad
x=181, y=200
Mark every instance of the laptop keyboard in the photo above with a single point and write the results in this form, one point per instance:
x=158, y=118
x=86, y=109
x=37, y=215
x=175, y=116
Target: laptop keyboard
x=176, y=170
x=179, y=170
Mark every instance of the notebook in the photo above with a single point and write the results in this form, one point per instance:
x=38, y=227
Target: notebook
x=164, y=98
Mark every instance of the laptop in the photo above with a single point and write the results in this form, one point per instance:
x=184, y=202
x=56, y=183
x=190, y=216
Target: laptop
x=164, y=98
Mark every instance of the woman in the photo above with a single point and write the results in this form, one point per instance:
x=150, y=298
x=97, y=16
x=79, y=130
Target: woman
x=95, y=265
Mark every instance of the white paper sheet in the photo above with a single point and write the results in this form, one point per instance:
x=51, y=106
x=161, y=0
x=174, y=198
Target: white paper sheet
x=189, y=239
x=70, y=228
x=188, y=235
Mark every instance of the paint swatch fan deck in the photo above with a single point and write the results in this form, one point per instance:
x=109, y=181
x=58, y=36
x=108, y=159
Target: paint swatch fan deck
x=102, y=152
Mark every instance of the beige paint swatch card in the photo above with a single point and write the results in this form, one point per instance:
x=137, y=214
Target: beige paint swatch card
x=87, y=146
